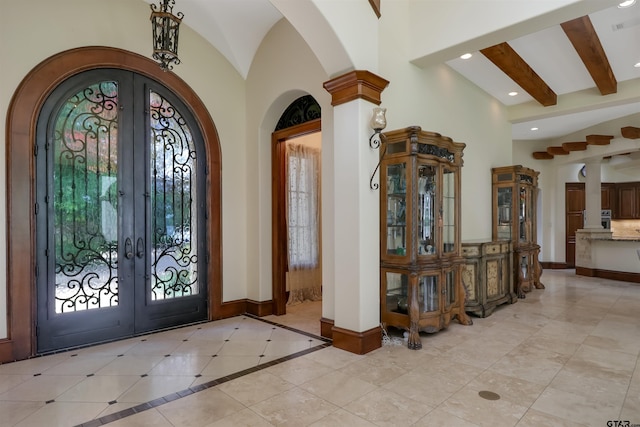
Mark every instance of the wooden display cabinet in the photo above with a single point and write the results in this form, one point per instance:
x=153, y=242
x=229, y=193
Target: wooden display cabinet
x=421, y=284
x=515, y=191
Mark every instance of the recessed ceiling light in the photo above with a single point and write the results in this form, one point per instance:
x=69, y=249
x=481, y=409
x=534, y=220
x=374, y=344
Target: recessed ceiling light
x=513, y=93
x=466, y=56
x=637, y=65
x=627, y=3
x=534, y=128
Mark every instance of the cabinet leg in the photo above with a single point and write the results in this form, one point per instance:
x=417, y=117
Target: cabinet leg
x=414, y=341
x=464, y=319
x=538, y=284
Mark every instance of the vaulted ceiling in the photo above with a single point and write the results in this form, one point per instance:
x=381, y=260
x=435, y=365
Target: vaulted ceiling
x=551, y=68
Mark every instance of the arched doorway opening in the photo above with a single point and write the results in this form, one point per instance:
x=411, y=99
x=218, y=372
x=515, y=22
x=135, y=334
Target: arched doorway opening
x=290, y=265
x=21, y=127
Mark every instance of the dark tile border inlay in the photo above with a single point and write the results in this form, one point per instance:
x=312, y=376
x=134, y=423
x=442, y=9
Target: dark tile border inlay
x=204, y=386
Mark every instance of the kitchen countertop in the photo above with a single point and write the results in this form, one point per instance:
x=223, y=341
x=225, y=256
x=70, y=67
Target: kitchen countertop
x=626, y=238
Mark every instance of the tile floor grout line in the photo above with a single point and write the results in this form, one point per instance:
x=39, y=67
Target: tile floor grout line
x=289, y=328
x=204, y=386
x=626, y=395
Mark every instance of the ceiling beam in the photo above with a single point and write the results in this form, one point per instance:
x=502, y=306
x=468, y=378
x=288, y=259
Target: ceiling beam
x=630, y=132
x=587, y=44
x=599, y=139
x=512, y=64
x=542, y=155
x=574, y=146
x=375, y=4
x=557, y=151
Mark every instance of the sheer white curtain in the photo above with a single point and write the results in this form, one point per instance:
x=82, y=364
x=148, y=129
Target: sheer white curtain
x=304, y=278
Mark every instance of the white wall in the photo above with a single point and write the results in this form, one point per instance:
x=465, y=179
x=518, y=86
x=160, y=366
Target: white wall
x=440, y=100
x=283, y=69
x=245, y=114
x=31, y=31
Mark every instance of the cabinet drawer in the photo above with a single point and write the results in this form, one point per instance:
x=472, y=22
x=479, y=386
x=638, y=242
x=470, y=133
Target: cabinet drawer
x=492, y=249
x=470, y=251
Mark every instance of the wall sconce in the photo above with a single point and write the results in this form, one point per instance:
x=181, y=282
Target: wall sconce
x=378, y=123
x=165, y=27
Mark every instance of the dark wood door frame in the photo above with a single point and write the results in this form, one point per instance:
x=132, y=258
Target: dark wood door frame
x=20, y=137
x=278, y=209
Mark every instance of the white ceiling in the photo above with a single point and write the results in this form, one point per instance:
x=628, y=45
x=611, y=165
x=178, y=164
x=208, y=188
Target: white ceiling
x=551, y=55
x=237, y=27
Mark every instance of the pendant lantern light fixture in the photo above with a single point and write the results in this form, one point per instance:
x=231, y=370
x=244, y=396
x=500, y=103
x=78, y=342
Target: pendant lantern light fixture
x=165, y=27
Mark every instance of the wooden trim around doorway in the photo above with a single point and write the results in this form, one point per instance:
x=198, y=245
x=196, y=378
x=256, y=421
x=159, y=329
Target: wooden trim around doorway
x=21, y=122
x=278, y=209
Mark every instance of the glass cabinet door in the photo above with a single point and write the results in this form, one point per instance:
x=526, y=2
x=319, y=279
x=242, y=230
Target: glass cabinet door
x=396, y=208
x=425, y=207
x=397, y=293
x=525, y=214
x=450, y=288
x=503, y=220
x=448, y=210
x=428, y=294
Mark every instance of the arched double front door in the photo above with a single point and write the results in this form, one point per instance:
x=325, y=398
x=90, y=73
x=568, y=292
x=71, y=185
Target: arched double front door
x=120, y=211
x=113, y=203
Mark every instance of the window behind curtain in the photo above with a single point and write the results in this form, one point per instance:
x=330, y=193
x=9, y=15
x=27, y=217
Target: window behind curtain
x=303, y=206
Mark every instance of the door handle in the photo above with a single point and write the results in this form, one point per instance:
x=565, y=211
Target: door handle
x=140, y=248
x=128, y=248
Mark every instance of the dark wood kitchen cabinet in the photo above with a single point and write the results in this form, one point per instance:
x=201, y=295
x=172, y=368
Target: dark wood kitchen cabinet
x=628, y=201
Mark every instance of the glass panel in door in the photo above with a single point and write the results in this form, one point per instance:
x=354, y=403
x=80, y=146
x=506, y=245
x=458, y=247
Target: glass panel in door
x=174, y=257
x=79, y=253
x=98, y=198
x=85, y=200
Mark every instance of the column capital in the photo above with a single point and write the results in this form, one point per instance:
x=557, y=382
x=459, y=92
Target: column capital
x=354, y=85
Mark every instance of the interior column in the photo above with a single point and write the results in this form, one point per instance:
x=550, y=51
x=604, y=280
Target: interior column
x=356, y=326
x=593, y=194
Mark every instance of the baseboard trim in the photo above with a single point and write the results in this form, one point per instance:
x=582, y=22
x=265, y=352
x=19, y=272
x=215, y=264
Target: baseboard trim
x=230, y=309
x=357, y=342
x=260, y=308
x=6, y=350
x=326, y=328
x=608, y=274
x=554, y=265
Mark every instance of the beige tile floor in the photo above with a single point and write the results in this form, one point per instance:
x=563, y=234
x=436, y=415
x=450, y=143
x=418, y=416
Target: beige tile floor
x=564, y=356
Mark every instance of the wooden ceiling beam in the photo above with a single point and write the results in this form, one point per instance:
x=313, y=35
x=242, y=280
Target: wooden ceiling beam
x=574, y=146
x=599, y=139
x=587, y=44
x=512, y=64
x=557, y=151
x=542, y=155
x=630, y=132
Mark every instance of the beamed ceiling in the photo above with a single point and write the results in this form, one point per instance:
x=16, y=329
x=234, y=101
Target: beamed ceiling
x=591, y=56
x=586, y=63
